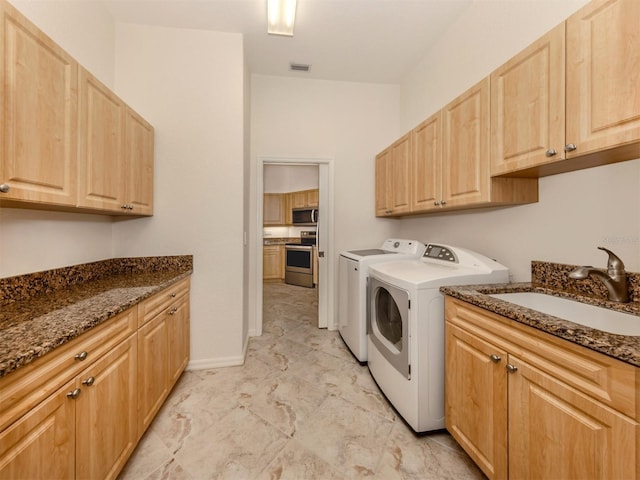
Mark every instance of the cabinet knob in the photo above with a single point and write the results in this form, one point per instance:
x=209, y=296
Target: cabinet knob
x=511, y=368
x=173, y=295
x=495, y=358
x=74, y=394
x=172, y=311
x=551, y=152
x=81, y=356
x=436, y=204
x=130, y=207
x=388, y=211
x=89, y=381
x=570, y=147
x=443, y=202
x=4, y=188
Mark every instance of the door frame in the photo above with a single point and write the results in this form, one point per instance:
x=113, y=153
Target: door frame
x=326, y=317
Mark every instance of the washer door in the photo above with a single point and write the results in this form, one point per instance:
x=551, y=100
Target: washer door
x=388, y=323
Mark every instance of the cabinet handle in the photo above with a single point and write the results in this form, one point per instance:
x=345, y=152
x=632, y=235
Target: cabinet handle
x=130, y=207
x=81, y=356
x=511, y=368
x=4, y=188
x=436, y=204
x=388, y=211
x=74, y=394
x=495, y=358
x=124, y=207
x=172, y=311
x=551, y=152
x=173, y=295
x=570, y=147
x=443, y=202
x=89, y=381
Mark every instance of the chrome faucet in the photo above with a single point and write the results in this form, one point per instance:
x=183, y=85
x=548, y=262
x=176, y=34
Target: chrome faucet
x=615, y=279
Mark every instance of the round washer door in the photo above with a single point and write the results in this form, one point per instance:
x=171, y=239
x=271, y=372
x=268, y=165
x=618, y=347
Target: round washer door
x=388, y=323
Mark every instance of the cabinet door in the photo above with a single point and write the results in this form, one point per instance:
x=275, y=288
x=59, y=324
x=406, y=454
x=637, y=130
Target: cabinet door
x=427, y=163
x=273, y=209
x=527, y=106
x=272, y=261
x=38, y=114
x=138, y=164
x=288, y=208
x=383, y=183
x=178, y=331
x=476, y=399
x=465, y=159
x=106, y=424
x=153, y=370
x=399, y=171
x=555, y=432
x=313, y=197
x=41, y=443
x=101, y=160
x=603, y=104
x=300, y=199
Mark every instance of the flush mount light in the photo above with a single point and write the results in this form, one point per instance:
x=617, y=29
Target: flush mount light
x=280, y=17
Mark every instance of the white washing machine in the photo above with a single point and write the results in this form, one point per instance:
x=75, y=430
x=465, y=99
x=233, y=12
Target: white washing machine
x=352, y=288
x=405, y=330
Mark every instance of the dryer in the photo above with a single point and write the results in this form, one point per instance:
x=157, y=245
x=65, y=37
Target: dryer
x=352, y=288
x=405, y=328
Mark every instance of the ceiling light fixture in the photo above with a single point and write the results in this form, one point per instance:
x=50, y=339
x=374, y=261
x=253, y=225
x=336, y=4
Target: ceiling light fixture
x=281, y=15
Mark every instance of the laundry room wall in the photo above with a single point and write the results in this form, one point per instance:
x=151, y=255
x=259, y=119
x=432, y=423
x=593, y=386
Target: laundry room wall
x=577, y=211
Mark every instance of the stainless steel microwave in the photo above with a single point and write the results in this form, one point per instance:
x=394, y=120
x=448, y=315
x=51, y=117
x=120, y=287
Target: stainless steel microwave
x=305, y=216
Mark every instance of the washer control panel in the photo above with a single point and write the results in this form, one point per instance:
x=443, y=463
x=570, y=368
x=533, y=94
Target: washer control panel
x=440, y=252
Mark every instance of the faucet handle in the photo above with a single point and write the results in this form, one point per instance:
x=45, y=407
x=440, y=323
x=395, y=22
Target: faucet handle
x=615, y=266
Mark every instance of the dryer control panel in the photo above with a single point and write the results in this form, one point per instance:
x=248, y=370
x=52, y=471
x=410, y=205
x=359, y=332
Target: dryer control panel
x=440, y=252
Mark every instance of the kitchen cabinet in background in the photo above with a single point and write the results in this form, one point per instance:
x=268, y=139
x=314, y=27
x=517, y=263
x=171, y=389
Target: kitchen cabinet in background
x=38, y=115
x=273, y=209
x=525, y=404
x=273, y=262
x=305, y=198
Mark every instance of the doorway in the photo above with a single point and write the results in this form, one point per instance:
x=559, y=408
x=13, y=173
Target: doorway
x=324, y=234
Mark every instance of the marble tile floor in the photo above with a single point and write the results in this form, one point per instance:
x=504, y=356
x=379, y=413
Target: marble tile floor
x=300, y=407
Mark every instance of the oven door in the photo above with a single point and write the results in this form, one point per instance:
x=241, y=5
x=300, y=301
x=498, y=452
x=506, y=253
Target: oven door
x=299, y=258
x=388, y=323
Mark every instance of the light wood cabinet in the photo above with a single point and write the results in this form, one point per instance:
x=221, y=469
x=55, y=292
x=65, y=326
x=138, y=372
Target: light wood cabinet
x=163, y=348
x=288, y=208
x=568, y=101
x=305, y=198
x=527, y=106
x=76, y=412
x=38, y=114
x=603, y=67
x=393, y=168
x=313, y=197
x=273, y=209
x=525, y=404
x=115, y=154
x=273, y=262
x=67, y=142
x=426, y=167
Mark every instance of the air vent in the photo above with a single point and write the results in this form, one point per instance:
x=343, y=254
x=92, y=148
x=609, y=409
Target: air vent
x=299, y=67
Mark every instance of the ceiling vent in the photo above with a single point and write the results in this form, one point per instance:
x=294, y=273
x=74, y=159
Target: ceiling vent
x=299, y=67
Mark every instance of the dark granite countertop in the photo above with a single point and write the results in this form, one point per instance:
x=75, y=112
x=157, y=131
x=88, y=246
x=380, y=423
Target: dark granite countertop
x=41, y=311
x=279, y=240
x=621, y=347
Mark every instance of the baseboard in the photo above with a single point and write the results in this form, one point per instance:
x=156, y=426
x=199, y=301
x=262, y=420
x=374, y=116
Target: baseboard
x=216, y=363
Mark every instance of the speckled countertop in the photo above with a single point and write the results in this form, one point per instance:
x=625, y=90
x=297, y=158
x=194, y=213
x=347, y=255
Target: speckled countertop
x=552, y=279
x=280, y=240
x=41, y=311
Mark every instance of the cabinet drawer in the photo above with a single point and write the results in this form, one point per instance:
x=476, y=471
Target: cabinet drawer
x=608, y=380
x=26, y=387
x=161, y=301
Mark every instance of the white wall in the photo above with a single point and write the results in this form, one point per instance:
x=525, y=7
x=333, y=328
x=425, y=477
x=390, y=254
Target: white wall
x=32, y=241
x=189, y=85
x=290, y=178
x=349, y=122
x=577, y=211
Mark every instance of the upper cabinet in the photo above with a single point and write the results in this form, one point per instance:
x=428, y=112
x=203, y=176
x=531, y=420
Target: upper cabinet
x=393, y=168
x=304, y=198
x=38, y=114
x=603, y=72
x=67, y=141
x=273, y=209
x=426, y=167
x=593, y=59
x=527, y=106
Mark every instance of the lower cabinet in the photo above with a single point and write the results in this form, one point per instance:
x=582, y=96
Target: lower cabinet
x=524, y=404
x=272, y=262
x=75, y=412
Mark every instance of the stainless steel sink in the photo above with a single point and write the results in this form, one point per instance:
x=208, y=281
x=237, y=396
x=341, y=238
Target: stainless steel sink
x=581, y=313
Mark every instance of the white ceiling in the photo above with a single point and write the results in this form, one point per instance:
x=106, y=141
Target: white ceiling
x=349, y=40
